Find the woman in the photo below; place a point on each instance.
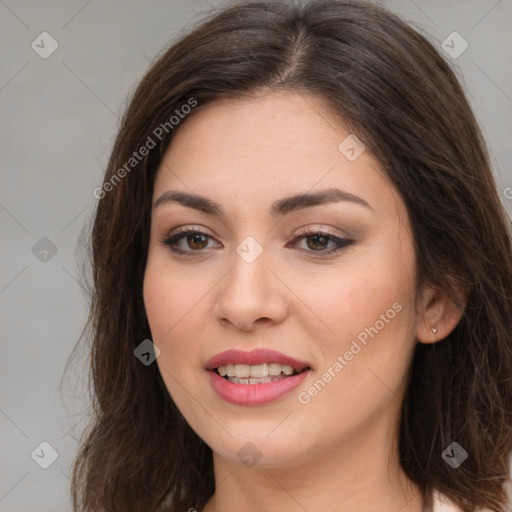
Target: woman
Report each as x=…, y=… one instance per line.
x=302, y=276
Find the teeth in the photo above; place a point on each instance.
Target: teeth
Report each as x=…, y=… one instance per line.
x=287, y=370
x=251, y=380
x=258, y=371
x=260, y=381
x=274, y=369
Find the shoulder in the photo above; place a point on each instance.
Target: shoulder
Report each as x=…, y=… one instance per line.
x=444, y=504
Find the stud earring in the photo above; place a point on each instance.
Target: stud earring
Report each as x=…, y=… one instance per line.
x=434, y=330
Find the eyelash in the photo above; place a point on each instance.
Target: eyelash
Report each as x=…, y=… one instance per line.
x=170, y=241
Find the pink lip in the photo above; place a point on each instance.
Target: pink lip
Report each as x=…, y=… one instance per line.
x=254, y=394
x=257, y=356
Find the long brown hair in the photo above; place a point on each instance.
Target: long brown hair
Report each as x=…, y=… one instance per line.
x=397, y=94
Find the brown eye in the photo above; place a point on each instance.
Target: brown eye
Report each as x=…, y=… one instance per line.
x=317, y=241
x=195, y=241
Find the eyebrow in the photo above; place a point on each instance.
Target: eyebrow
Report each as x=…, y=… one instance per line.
x=279, y=208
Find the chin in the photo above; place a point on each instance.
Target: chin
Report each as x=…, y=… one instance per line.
x=261, y=452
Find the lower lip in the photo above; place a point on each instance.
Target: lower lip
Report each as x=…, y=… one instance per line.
x=254, y=394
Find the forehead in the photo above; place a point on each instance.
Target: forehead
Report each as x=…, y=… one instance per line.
x=272, y=145
x=281, y=124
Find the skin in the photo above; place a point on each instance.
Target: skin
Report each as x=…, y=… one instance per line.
x=340, y=450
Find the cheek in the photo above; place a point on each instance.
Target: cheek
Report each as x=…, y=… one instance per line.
x=372, y=314
x=172, y=303
x=172, y=299
x=360, y=299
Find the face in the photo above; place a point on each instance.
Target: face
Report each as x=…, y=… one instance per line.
x=326, y=284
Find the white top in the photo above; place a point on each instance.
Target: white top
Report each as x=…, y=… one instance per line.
x=444, y=504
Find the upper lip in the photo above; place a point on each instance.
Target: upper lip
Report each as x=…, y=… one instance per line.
x=254, y=357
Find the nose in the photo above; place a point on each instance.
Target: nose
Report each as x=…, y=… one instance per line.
x=251, y=295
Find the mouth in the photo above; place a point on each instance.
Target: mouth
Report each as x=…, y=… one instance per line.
x=253, y=378
x=257, y=374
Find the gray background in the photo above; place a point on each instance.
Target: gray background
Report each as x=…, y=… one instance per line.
x=59, y=117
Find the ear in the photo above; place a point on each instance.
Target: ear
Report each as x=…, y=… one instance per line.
x=438, y=314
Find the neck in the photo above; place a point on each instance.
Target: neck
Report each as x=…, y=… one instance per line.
x=361, y=475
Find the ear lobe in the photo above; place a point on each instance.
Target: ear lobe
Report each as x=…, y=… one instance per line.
x=438, y=314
